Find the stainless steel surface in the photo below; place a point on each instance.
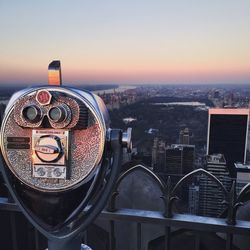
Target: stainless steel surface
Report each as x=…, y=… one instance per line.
x=85, y=148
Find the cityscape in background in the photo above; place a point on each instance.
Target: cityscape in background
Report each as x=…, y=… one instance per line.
x=177, y=129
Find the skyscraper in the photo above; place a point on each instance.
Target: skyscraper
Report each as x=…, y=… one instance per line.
x=184, y=136
x=227, y=135
x=159, y=156
x=193, y=199
x=211, y=196
x=180, y=159
x=174, y=161
x=243, y=175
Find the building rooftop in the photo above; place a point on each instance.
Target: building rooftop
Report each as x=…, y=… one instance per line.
x=216, y=159
x=181, y=146
x=228, y=111
x=241, y=167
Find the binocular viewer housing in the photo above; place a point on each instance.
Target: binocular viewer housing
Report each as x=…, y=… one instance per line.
x=53, y=138
x=60, y=157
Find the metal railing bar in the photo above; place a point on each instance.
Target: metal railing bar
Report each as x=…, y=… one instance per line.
x=186, y=221
x=112, y=235
x=229, y=242
x=36, y=239
x=167, y=238
x=138, y=239
x=197, y=241
x=13, y=230
x=8, y=206
x=85, y=237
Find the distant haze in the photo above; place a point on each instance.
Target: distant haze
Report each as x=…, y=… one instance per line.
x=126, y=42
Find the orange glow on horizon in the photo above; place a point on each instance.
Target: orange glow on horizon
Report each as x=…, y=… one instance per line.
x=132, y=74
x=171, y=75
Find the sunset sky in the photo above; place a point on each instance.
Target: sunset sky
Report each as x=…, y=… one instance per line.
x=126, y=41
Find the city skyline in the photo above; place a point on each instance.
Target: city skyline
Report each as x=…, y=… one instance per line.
x=132, y=42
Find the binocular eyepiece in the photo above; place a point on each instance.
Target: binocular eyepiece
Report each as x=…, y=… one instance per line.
x=34, y=114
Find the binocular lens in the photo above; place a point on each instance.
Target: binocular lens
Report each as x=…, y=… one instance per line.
x=57, y=114
x=32, y=113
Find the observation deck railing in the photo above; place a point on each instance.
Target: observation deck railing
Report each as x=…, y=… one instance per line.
x=169, y=219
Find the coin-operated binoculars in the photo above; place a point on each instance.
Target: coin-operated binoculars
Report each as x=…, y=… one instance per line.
x=61, y=159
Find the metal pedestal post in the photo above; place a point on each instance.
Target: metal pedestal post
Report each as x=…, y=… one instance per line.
x=83, y=247
x=66, y=244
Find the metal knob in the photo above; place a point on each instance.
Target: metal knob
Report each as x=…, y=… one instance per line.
x=48, y=148
x=126, y=140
